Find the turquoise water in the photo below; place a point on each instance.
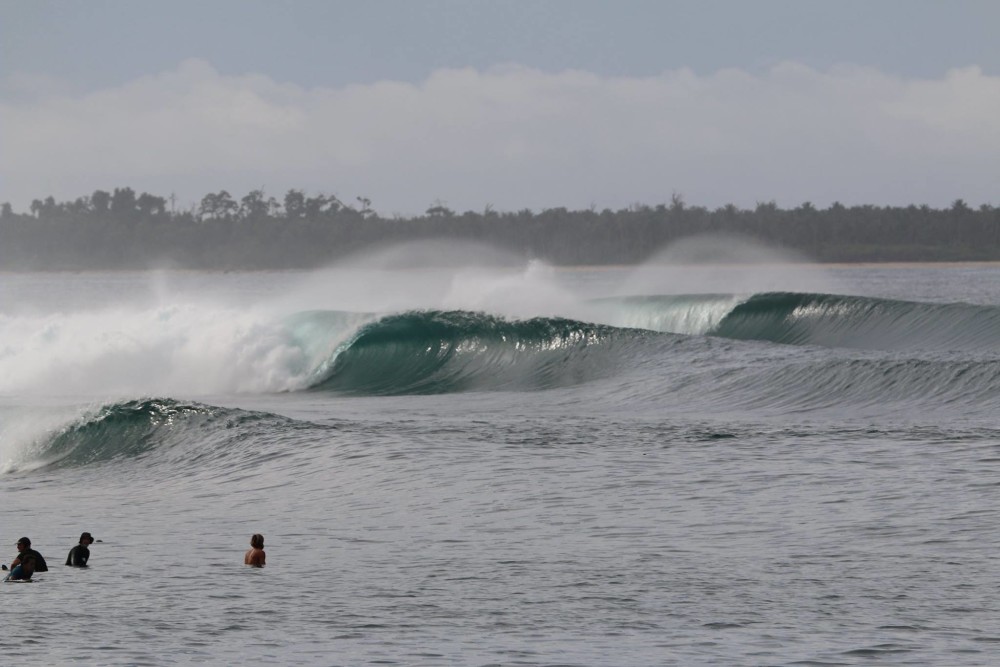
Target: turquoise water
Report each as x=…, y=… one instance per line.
x=716, y=465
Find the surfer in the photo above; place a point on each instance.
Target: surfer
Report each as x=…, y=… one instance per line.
x=255, y=555
x=80, y=554
x=27, y=562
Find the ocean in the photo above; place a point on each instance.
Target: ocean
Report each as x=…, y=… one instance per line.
x=713, y=464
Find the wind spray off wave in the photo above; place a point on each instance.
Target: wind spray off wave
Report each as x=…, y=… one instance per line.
x=185, y=349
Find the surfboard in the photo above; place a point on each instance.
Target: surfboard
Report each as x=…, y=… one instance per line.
x=7, y=579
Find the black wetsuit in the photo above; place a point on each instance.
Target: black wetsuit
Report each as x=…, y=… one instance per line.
x=40, y=565
x=78, y=556
x=30, y=554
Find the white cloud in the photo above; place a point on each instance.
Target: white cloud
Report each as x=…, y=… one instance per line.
x=516, y=137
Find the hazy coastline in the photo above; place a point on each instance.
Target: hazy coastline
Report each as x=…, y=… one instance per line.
x=126, y=230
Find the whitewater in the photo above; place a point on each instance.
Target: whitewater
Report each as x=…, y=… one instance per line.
x=738, y=462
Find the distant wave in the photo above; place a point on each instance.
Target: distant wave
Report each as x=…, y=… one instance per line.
x=827, y=320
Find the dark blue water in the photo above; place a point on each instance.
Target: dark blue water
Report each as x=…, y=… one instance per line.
x=725, y=465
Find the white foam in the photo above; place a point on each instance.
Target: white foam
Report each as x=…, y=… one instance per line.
x=190, y=334
x=179, y=349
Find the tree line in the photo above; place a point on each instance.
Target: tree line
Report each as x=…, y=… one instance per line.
x=121, y=229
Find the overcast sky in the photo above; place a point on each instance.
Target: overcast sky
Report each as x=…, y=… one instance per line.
x=572, y=103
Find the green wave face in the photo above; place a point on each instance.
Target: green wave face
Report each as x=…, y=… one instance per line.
x=429, y=352
x=117, y=431
x=189, y=434
x=861, y=322
x=432, y=352
x=449, y=351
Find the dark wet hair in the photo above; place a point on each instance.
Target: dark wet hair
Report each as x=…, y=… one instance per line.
x=257, y=541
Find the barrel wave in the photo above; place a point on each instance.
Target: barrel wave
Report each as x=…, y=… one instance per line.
x=780, y=351
x=428, y=352
x=449, y=351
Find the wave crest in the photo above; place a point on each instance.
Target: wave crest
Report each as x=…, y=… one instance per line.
x=447, y=351
x=861, y=322
x=175, y=430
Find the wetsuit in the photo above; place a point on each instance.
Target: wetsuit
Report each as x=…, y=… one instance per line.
x=40, y=565
x=22, y=558
x=78, y=556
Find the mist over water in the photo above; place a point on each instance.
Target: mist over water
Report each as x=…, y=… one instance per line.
x=725, y=264
x=102, y=335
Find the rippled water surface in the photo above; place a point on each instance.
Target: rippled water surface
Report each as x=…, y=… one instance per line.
x=537, y=467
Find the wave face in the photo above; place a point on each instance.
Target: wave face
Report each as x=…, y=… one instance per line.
x=770, y=353
x=198, y=351
x=451, y=351
x=826, y=320
x=189, y=434
x=862, y=322
x=448, y=351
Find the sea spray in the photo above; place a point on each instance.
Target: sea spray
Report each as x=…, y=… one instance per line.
x=182, y=349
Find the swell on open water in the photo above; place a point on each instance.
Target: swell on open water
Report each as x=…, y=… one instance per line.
x=531, y=467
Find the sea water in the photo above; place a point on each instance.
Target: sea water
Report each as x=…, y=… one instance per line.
x=732, y=465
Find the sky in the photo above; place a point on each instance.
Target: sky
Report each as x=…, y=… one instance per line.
x=503, y=103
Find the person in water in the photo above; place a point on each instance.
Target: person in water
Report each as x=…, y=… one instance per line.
x=27, y=562
x=255, y=555
x=80, y=554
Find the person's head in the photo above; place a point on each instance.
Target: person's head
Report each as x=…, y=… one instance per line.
x=257, y=541
x=86, y=538
x=23, y=543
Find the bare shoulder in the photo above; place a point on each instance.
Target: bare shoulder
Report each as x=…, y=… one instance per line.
x=255, y=557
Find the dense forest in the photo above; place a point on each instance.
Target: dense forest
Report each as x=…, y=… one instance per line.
x=125, y=230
